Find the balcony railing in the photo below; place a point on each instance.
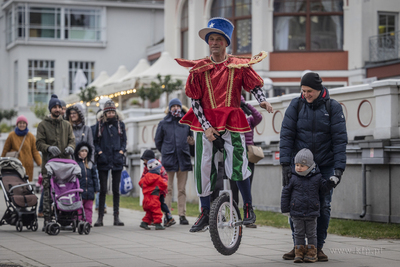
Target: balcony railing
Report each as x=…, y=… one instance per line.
x=384, y=47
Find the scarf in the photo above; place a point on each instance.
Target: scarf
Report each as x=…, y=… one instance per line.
x=176, y=113
x=21, y=133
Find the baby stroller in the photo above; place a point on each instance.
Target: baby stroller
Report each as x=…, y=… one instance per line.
x=20, y=199
x=66, y=195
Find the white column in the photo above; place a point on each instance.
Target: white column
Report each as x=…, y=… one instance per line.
x=387, y=109
x=170, y=28
x=262, y=31
x=196, y=44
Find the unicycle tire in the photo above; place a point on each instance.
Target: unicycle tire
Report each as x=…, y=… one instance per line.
x=226, y=239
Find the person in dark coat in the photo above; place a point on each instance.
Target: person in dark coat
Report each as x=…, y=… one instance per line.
x=99, y=116
x=301, y=198
x=321, y=127
x=88, y=180
x=171, y=140
x=110, y=144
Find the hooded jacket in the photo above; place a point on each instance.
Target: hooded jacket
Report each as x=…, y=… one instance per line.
x=82, y=132
x=152, y=184
x=54, y=132
x=315, y=128
x=301, y=196
x=171, y=141
x=110, y=138
x=88, y=180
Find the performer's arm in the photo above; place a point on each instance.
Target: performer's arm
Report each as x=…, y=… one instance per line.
x=259, y=95
x=198, y=111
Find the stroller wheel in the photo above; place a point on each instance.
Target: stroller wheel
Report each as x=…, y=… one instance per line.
x=73, y=225
x=86, y=228
x=34, y=225
x=19, y=225
x=81, y=227
x=54, y=229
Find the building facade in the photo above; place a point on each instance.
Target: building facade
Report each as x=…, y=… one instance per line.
x=45, y=42
x=345, y=41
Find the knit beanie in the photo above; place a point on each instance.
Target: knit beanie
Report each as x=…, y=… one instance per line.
x=63, y=104
x=21, y=118
x=108, y=106
x=312, y=80
x=84, y=148
x=154, y=166
x=304, y=157
x=174, y=101
x=148, y=154
x=54, y=101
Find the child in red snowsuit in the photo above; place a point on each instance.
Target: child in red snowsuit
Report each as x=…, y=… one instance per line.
x=152, y=184
x=148, y=155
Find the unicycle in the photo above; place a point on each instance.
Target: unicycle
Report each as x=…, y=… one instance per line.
x=225, y=223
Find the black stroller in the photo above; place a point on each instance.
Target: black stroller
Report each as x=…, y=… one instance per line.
x=21, y=200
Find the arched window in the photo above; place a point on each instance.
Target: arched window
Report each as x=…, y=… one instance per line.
x=239, y=13
x=308, y=25
x=184, y=31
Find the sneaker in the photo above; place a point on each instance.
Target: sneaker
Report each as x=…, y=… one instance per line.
x=249, y=215
x=321, y=255
x=201, y=222
x=170, y=222
x=251, y=225
x=183, y=220
x=40, y=215
x=289, y=256
x=144, y=226
x=159, y=226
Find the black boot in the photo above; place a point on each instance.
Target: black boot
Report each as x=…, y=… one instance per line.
x=117, y=222
x=249, y=215
x=99, y=221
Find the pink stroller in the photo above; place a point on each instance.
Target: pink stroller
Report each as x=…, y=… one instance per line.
x=66, y=195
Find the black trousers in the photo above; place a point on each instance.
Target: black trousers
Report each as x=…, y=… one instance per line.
x=235, y=189
x=116, y=179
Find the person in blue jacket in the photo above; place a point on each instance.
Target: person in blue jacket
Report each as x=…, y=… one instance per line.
x=314, y=121
x=88, y=180
x=172, y=141
x=110, y=144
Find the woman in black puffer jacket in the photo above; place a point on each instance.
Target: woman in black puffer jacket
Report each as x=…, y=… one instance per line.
x=88, y=181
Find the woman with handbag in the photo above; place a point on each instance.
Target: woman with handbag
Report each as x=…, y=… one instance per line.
x=21, y=144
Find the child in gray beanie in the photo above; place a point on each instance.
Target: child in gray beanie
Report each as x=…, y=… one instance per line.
x=301, y=198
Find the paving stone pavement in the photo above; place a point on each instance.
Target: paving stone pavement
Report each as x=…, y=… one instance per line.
x=176, y=246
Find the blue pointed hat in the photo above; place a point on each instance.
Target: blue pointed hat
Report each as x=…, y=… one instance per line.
x=220, y=26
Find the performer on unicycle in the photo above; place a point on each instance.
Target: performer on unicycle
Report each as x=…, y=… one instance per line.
x=214, y=85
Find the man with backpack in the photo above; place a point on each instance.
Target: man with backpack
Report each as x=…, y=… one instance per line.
x=316, y=122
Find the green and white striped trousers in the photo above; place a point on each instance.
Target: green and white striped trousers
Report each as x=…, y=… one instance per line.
x=207, y=158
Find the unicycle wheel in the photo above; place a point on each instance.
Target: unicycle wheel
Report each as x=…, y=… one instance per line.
x=225, y=237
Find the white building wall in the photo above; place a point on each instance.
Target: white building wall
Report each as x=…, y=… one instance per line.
x=129, y=31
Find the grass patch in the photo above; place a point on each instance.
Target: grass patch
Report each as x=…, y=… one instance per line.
x=362, y=229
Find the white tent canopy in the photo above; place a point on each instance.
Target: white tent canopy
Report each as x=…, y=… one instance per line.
x=142, y=66
x=103, y=76
x=164, y=66
x=121, y=72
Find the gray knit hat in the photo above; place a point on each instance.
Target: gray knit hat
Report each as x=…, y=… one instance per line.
x=305, y=157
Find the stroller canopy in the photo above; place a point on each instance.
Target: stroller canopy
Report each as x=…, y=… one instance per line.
x=63, y=170
x=12, y=164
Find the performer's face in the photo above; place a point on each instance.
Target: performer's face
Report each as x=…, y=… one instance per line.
x=309, y=94
x=217, y=44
